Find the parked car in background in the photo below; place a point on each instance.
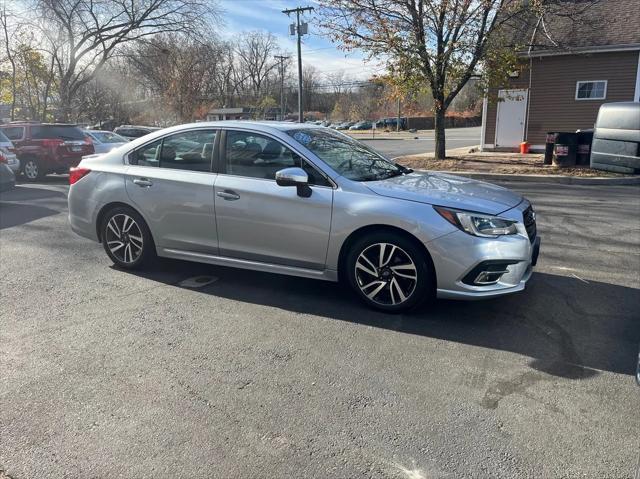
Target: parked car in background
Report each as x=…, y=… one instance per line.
x=8, y=154
x=362, y=125
x=6, y=142
x=307, y=201
x=105, y=141
x=10, y=159
x=44, y=148
x=616, y=138
x=345, y=125
x=7, y=178
x=131, y=132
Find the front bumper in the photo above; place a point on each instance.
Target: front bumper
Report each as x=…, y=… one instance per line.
x=457, y=254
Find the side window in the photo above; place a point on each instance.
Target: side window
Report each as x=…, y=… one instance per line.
x=13, y=132
x=188, y=150
x=146, y=155
x=257, y=156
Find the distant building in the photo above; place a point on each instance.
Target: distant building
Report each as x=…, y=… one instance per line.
x=242, y=113
x=570, y=69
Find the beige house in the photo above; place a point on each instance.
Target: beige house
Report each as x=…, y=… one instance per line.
x=569, y=69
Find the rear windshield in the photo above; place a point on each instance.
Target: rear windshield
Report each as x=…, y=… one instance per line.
x=3, y=138
x=62, y=132
x=622, y=117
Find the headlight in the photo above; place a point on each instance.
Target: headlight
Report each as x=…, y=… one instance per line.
x=477, y=224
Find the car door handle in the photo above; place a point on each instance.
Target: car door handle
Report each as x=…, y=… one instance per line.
x=228, y=195
x=143, y=182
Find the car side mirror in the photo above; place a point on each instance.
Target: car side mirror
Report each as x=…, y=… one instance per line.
x=295, y=177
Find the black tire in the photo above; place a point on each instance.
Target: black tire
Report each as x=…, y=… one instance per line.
x=140, y=256
x=32, y=170
x=403, y=258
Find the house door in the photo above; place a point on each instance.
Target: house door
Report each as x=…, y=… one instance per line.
x=512, y=110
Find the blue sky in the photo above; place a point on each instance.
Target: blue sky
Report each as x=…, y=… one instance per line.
x=266, y=15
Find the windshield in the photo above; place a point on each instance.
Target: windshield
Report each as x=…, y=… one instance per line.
x=348, y=157
x=107, y=137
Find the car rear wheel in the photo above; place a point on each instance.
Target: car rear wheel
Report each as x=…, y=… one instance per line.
x=390, y=272
x=127, y=239
x=32, y=170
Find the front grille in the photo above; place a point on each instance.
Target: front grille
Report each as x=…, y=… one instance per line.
x=529, y=218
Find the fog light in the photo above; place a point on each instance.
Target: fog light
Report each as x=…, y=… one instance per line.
x=487, y=272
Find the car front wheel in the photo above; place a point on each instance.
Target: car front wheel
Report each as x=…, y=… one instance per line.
x=126, y=238
x=390, y=272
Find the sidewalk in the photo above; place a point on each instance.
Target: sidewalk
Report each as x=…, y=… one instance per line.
x=511, y=166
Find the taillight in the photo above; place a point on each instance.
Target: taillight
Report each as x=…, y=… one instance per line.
x=88, y=141
x=3, y=159
x=52, y=143
x=77, y=173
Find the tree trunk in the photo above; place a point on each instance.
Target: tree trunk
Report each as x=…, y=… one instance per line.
x=440, y=151
x=64, y=112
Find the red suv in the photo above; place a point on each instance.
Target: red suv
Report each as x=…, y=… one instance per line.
x=47, y=147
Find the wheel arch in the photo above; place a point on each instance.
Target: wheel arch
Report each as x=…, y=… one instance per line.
x=377, y=228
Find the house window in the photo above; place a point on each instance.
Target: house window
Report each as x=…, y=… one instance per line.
x=591, y=90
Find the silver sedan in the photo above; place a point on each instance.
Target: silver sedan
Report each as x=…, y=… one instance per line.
x=308, y=201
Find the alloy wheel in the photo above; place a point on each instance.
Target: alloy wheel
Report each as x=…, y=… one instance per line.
x=386, y=274
x=123, y=237
x=31, y=170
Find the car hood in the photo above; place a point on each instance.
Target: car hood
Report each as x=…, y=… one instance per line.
x=447, y=190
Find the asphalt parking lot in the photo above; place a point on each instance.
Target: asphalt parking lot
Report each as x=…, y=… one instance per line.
x=107, y=373
x=425, y=142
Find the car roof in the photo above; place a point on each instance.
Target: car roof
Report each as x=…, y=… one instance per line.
x=140, y=126
x=36, y=123
x=264, y=125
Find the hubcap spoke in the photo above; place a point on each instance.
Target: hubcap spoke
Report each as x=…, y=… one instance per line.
x=127, y=223
x=367, y=266
x=384, y=262
x=115, y=245
x=408, y=271
x=394, y=286
x=136, y=241
x=377, y=287
x=114, y=227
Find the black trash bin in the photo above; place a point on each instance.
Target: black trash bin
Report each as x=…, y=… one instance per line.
x=583, y=152
x=565, y=149
x=548, y=147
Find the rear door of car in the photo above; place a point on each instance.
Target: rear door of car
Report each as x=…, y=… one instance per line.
x=170, y=181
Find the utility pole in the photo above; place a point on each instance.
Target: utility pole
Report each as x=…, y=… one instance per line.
x=281, y=59
x=299, y=30
x=398, y=118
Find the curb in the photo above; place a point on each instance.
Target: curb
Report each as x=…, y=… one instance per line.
x=557, y=179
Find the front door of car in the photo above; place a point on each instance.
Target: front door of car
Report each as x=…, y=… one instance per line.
x=260, y=221
x=170, y=181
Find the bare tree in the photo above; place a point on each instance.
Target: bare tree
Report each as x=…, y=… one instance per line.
x=85, y=34
x=255, y=56
x=7, y=33
x=438, y=42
